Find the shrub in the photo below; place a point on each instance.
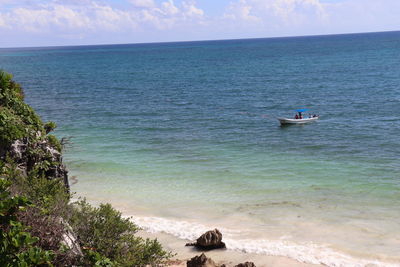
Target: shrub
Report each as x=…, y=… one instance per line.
x=104, y=230
x=54, y=142
x=17, y=246
x=50, y=195
x=49, y=126
x=11, y=127
x=17, y=119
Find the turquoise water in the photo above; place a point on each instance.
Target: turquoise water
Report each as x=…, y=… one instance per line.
x=184, y=136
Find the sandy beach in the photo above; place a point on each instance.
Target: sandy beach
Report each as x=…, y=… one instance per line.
x=220, y=256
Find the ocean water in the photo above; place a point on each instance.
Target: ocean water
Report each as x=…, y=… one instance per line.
x=184, y=137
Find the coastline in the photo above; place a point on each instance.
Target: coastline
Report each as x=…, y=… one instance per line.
x=220, y=256
x=262, y=252
x=174, y=232
x=170, y=242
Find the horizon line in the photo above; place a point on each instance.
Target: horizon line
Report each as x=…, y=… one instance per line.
x=203, y=40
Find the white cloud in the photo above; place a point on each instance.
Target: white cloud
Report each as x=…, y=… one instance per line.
x=96, y=16
x=299, y=17
x=49, y=17
x=169, y=8
x=287, y=12
x=241, y=10
x=143, y=3
x=161, y=20
x=191, y=10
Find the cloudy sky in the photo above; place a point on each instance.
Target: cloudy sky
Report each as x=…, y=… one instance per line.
x=74, y=22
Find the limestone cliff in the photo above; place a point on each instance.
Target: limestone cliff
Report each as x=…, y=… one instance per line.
x=24, y=138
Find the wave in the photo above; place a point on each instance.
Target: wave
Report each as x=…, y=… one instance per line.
x=306, y=252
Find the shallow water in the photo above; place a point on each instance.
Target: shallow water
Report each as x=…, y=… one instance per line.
x=184, y=136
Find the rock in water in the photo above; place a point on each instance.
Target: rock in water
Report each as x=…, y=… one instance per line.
x=246, y=264
x=209, y=240
x=201, y=261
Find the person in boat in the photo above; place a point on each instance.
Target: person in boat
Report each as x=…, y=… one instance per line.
x=296, y=117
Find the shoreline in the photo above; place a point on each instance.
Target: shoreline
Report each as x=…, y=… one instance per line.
x=270, y=253
x=220, y=256
x=174, y=233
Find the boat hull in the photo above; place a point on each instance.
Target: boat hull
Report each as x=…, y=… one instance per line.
x=287, y=121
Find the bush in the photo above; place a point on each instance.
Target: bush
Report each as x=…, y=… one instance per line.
x=54, y=142
x=17, y=119
x=49, y=126
x=17, y=245
x=11, y=127
x=103, y=230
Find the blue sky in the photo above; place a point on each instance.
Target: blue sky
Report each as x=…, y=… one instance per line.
x=74, y=22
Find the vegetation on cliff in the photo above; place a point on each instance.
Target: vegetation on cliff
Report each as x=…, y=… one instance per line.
x=39, y=226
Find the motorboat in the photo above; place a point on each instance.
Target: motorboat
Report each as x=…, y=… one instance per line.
x=299, y=119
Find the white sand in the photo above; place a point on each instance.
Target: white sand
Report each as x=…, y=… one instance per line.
x=220, y=256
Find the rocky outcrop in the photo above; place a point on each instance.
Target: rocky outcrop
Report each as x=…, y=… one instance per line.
x=246, y=264
x=70, y=240
x=38, y=152
x=204, y=261
x=201, y=261
x=209, y=240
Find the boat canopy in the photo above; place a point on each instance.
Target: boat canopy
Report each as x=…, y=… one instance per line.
x=301, y=110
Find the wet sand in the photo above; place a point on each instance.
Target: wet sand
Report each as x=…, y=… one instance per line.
x=220, y=256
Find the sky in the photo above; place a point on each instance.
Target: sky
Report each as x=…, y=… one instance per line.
x=25, y=23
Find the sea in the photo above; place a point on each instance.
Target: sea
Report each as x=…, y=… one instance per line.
x=184, y=138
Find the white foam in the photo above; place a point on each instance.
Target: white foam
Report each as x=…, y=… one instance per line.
x=305, y=252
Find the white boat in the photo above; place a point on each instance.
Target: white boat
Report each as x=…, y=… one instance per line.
x=285, y=121
x=299, y=118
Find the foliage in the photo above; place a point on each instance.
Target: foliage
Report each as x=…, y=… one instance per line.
x=9, y=88
x=17, y=119
x=50, y=195
x=54, y=142
x=17, y=247
x=11, y=127
x=49, y=126
x=94, y=258
x=104, y=230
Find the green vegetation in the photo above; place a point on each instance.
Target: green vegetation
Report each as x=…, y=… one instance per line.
x=49, y=126
x=104, y=229
x=17, y=245
x=17, y=119
x=35, y=208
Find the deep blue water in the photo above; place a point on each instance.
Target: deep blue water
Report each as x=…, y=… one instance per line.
x=171, y=118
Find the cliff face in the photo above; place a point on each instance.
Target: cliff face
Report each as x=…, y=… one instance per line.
x=24, y=138
x=37, y=155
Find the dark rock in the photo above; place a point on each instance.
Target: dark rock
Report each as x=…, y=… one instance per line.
x=201, y=261
x=209, y=240
x=44, y=152
x=246, y=264
x=17, y=150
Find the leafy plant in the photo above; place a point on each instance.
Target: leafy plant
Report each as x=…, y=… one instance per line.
x=54, y=142
x=104, y=230
x=17, y=246
x=49, y=126
x=11, y=127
